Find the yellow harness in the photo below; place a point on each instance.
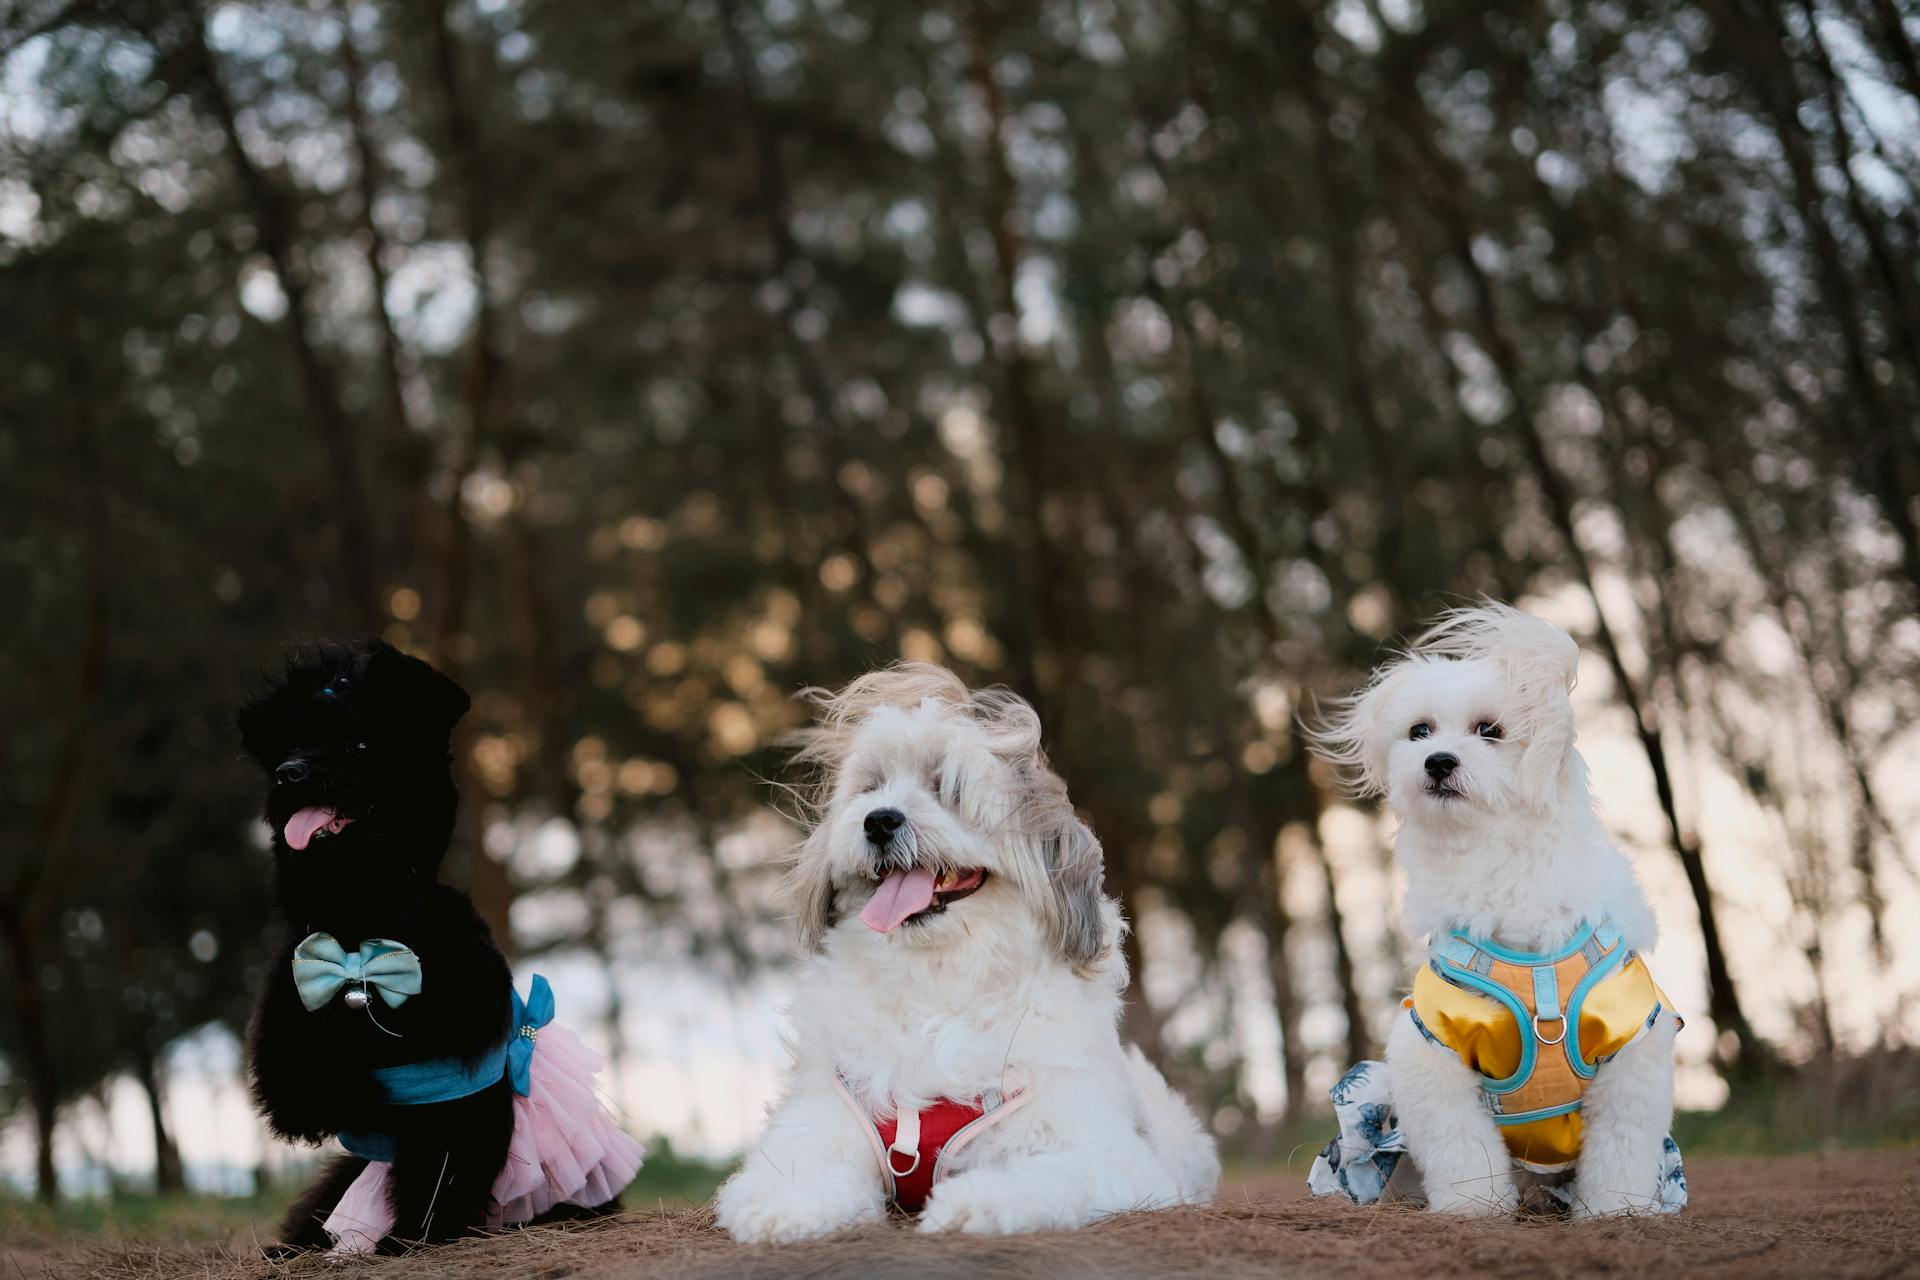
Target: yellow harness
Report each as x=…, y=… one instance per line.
x=1502, y=1011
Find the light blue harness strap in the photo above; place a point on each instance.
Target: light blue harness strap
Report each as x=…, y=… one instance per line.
x=1546, y=995
x=1421, y=1027
x=1475, y=979
x=1530, y=958
x=1528, y=1117
x=1464, y=962
x=1458, y=949
x=1608, y=965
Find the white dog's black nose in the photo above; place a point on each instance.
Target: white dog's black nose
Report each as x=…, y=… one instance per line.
x=1439, y=765
x=882, y=823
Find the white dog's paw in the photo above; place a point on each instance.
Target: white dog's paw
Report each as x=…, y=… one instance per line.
x=770, y=1209
x=1482, y=1199
x=982, y=1204
x=1591, y=1202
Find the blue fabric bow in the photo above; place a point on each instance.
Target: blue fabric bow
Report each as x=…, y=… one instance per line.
x=529, y=1015
x=321, y=967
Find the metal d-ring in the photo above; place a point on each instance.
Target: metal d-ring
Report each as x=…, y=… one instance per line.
x=1557, y=1039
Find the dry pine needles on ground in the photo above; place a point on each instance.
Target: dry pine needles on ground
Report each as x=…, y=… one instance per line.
x=1849, y=1214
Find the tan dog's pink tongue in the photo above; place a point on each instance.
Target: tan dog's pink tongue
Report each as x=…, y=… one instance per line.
x=900, y=895
x=302, y=825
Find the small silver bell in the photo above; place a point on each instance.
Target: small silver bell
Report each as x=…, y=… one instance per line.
x=356, y=997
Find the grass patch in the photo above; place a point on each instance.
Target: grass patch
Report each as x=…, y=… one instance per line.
x=1860, y=1104
x=184, y=1218
x=668, y=1179
x=1857, y=1103
x=1851, y=1104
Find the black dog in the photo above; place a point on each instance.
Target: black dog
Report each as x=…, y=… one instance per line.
x=353, y=739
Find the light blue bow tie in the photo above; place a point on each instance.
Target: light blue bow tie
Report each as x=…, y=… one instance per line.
x=321, y=967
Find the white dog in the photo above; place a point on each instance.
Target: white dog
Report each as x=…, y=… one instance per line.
x=1515, y=886
x=955, y=1044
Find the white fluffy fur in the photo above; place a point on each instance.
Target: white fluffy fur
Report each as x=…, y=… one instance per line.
x=1019, y=982
x=1519, y=856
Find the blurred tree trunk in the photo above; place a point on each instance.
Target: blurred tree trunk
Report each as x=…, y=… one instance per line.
x=1340, y=218
x=1028, y=468
x=168, y=1176
x=360, y=604
x=487, y=880
x=542, y=691
x=1296, y=782
x=1235, y=512
x=22, y=915
x=1895, y=276
x=36, y=1054
x=773, y=192
x=1891, y=28
x=409, y=454
x=1882, y=447
x=1263, y=892
x=1041, y=568
x=1359, y=1040
x=1121, y=840
x=1795, y=615
x=600, y=943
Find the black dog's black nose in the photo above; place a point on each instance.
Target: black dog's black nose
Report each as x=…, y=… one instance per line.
x=291, y=771
x=1441, y=763
x=882, y=823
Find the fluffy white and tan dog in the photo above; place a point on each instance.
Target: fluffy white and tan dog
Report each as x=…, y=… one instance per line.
x=1470, y=738
x=966, y=974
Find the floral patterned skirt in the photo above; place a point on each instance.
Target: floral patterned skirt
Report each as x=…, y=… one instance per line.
x=1364, y=1156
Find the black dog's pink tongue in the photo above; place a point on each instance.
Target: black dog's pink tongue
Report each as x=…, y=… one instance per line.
x=301, y=826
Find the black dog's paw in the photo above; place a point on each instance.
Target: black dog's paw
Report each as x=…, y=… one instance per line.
x=569, y=1212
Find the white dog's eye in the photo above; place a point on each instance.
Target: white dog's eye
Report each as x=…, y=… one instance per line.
x=1488, y=729
x=1419, y=731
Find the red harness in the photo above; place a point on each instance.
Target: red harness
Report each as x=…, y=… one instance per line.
x=912, y=1148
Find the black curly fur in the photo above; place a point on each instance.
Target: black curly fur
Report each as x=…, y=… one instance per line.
x=372, y=727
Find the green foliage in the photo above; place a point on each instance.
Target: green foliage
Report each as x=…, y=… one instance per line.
x=176, y=1217
x=671, y=1178
x=1871, y=1101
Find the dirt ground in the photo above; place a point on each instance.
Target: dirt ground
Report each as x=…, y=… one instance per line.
x=1848, y=1214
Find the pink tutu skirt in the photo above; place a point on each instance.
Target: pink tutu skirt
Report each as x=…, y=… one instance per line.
x=566, y=1149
